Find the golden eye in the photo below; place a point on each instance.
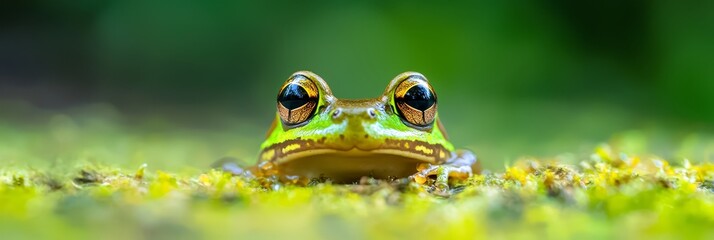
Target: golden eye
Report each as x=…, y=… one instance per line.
x=415, y=101
x=297, y=100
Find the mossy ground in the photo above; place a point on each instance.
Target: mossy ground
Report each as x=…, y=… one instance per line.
x=99, y=188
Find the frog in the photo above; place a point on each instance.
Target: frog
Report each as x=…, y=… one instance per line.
x=397, y=135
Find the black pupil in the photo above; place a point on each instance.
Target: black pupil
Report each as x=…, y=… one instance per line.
x=293, y=96
x=419, y=97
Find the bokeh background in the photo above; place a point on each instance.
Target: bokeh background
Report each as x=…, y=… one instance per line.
x=182, y=83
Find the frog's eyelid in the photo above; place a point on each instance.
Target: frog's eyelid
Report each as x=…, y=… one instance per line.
x=418, y=76
x=299, y=75
x=392, y=86
x=315, y=79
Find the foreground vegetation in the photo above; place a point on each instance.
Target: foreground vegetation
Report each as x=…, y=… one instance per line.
x=609, y=195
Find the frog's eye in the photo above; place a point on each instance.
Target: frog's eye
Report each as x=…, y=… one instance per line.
x=297, y=100
x=415, y=101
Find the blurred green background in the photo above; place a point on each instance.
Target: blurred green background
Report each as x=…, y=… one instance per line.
x=513, y=78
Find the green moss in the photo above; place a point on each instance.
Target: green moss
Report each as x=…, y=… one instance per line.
x=607, y=196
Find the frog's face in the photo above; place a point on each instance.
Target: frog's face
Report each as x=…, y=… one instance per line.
x=316, y=134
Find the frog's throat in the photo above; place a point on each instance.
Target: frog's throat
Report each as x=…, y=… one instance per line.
x=396, y=149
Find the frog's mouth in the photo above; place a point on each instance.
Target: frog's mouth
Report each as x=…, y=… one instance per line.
x=349, y=166
x=346, y=163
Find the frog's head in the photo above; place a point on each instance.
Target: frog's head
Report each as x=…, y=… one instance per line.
x=316, y=134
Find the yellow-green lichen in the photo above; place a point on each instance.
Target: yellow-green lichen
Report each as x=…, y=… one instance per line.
x=606, y=196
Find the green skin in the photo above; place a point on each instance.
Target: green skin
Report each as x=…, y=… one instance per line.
x=346, y=139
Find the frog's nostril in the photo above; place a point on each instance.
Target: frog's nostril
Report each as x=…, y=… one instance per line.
x=371, y=112
x=337, y=113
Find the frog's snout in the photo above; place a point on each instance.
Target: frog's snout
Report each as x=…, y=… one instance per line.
x=356, y=122
x=340, y=114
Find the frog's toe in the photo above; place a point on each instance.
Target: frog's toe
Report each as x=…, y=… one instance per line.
x=442, y=174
